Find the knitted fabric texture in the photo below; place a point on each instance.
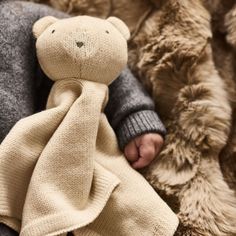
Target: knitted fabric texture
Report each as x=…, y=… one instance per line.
x=131, y=111
x=24, y=87
x=18, y=61
x=62, y=181
x=184, y=53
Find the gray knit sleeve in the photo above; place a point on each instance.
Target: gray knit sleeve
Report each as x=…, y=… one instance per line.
x=130, y=109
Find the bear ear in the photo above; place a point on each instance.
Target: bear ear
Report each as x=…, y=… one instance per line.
x=120, y=25
x=42, y=24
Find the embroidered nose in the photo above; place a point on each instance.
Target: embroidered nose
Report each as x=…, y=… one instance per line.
x=79, y=44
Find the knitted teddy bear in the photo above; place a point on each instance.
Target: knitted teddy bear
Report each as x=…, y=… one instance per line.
x=61, y=169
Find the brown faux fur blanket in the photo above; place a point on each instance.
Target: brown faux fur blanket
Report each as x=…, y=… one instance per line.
x=184, y=53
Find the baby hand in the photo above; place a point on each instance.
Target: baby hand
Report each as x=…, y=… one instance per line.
x=143, y=149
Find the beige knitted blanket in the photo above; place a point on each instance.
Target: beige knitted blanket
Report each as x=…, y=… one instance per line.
x=184, y=53
x=61, y=170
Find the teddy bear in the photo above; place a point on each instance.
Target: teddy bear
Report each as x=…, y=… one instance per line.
x=68, y=172
x=184, y=54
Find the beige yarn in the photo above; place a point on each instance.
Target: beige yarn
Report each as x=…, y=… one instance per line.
x=61, y=169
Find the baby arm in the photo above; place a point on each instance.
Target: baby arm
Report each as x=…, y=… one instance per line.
x=130, y=111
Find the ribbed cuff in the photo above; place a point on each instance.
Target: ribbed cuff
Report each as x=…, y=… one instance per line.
x=139, y=123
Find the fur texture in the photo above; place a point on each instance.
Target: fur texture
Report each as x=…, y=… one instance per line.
x=184, y=53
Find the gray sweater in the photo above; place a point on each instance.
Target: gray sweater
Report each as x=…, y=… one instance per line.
x=24, y=88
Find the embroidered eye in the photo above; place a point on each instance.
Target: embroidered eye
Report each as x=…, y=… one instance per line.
x=107, y=31
x=53, y=31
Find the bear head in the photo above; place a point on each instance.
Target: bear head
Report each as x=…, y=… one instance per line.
x=82, y=47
